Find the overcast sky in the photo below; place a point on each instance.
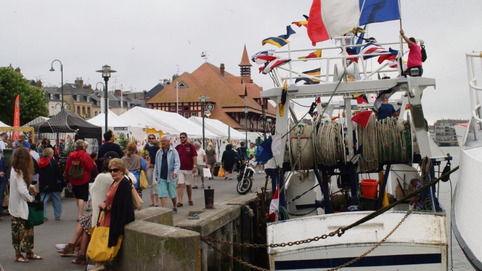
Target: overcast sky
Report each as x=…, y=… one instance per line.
x=149, y=40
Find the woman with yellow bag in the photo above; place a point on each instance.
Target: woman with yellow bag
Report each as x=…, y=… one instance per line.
x=117, y=211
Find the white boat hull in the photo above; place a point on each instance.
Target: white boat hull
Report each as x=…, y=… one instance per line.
x=466, y=212
x=420, y=242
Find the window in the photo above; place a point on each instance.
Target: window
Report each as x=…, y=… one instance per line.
x=186, y=115
x=173, y=108
x=194, y=114
x=186, y=108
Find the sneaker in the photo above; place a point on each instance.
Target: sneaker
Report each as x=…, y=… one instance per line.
x=174, y=210
x=57, y=218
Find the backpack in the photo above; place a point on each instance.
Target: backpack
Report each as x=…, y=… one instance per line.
x=76, y=171
x=424, y=53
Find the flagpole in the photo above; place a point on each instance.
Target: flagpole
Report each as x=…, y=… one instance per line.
x=400, y=52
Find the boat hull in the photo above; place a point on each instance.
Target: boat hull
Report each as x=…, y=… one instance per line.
x=466, y=215
x=420, y=242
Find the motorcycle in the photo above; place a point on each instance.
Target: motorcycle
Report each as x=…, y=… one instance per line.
x=245, y=177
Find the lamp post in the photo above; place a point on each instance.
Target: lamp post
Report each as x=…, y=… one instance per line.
x=61, y=81
x=106, y=72
x=203, y=114
x=246, y=111
x=102, y=99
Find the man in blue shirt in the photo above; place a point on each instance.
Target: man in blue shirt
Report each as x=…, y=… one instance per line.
x=21, y=142
x=386, y=110
x=166, y=170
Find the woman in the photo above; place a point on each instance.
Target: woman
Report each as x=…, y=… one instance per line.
x=80, y=186
x=21, y=192
x=229, y=159
x=50, y=182
x=134, y=163
x=211, y=158
x=117, y=206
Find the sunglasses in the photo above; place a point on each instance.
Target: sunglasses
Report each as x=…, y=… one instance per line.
x=182, y=137
x=151, y=138
x=114, y=170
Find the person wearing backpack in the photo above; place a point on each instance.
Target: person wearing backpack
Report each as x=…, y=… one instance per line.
x=77, y=170
x=414, y=61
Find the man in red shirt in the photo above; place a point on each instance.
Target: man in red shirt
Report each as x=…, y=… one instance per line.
x=188, y=157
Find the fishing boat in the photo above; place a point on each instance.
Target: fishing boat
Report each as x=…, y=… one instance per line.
x=465, y=212
x=340, y=170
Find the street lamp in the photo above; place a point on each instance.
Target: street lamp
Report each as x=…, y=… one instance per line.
x=246, y=111
x=102, y=99
x=106, y=71
x=61, y=81
x=203, y=112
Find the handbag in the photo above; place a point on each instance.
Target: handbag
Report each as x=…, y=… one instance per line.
x=142, y=180
x=35, y=212
x=221, y=172
x=136, y=199
x=6, y=197
x=207, y=173
x=98, y=249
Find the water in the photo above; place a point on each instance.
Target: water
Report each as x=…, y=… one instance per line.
x=459, y=261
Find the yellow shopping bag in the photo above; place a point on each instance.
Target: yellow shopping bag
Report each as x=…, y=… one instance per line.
x=221, y=172
x=98, y=249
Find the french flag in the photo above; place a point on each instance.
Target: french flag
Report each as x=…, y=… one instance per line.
x=274, y=206
x=331, y=18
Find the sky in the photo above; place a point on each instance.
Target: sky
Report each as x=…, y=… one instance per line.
x=150, y=40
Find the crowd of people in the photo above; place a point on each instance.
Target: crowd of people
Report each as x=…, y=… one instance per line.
x=103, y=182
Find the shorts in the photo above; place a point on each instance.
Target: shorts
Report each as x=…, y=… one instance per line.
x=199, y=170
x=166, y=189
x=81, y=191
x=185, y=177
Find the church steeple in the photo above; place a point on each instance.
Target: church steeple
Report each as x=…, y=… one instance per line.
x=245, y=67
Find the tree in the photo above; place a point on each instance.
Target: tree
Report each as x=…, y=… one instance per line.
x=33, y=102
x=123, y=141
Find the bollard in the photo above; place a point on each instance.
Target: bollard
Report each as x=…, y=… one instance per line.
x=209, y=198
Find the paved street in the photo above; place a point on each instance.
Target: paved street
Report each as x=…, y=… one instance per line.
x=54, y=232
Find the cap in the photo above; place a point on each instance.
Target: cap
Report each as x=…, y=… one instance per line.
x=110, y=154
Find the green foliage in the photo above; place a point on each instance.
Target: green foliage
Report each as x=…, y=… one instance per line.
x=123, y=141
x=33, y=103
x=69, y=145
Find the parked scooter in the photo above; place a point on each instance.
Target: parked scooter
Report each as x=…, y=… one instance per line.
x=245, y=176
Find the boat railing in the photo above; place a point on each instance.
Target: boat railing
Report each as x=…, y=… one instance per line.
x=338, y=63
x=473, y=75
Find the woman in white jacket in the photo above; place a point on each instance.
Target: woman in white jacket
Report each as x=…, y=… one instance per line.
x=21, y=192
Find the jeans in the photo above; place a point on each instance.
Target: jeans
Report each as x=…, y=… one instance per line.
x=55, y=202
x=3, y=185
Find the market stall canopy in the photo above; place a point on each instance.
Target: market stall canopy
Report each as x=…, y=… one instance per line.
x=68, y=122
x=168, y=123
x=119, y=125
x=218, y=127
x=4, y=125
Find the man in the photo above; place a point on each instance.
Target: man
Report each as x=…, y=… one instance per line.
x=188, y=157
x=165, y=171
x=386, y=110
x=151, y=150
x=3, y=142
x=109, y=145
x=414, y=61
x=21, y=141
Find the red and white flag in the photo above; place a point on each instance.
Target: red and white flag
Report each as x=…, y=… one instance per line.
x=274, y=206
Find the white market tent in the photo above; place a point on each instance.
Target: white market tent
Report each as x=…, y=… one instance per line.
x=218, y=127
x=4, y=125
x=169, y=123
x=118, y=125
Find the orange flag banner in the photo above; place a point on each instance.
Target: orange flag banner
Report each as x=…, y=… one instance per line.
x=16, y=117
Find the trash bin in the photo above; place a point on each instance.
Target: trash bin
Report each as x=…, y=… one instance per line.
x=209, y=198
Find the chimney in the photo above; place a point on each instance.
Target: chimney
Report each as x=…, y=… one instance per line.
x=79, y=82
x=221, y=69
x=117, y=92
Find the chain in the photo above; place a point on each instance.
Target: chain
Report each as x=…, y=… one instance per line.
x=302, y=194
x=234, y=258
x=339, y=232
x=374, y=247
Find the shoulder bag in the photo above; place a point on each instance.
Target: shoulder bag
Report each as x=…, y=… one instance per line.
x=36, y=211
x=99, y=250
